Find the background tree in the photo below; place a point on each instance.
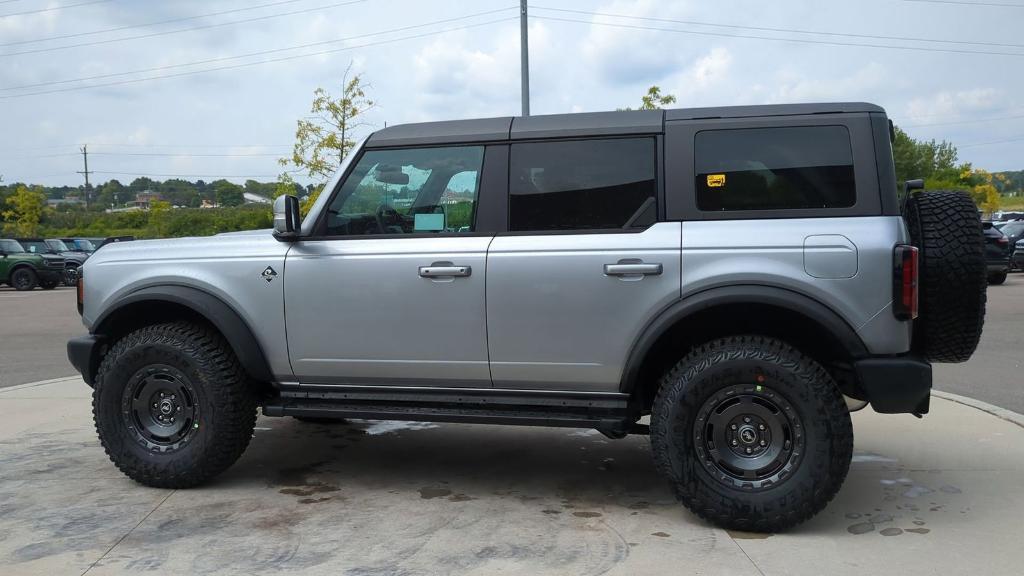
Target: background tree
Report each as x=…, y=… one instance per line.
x=654, y=100
x=227, y=193
x=323, y=139
x=26, y=211
x=112, y=194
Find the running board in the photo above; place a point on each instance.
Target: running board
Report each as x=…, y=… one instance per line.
x=609, y=415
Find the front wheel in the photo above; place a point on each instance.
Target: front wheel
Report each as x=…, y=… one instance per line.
x=752, y=434
x=24, y=279
x=47, y=284
x=997, y=278
x=172, y=405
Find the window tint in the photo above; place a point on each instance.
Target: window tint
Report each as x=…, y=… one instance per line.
x=774, y=168
x=581, y=185
x=415, y=190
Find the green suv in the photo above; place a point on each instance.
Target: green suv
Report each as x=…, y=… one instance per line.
x=24, y=270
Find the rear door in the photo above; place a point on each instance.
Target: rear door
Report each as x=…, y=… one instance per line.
x=584, y=266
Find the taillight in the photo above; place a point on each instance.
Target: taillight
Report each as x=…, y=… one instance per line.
x=1003, y=240
x=80, y=288
x=904, y=285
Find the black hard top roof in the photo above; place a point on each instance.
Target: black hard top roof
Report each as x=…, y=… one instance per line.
x=621, y=122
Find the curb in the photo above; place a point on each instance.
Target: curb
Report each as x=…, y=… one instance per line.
x=38, y=383
x=1001, y=413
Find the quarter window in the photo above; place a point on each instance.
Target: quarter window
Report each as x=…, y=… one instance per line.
x=774, y=168
x=408, y=191
x=582, y=185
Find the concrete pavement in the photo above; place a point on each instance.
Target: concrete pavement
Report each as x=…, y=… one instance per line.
x=943, y=495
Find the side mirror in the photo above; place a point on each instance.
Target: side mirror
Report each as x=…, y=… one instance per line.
x=913, y=185
x=286, y=217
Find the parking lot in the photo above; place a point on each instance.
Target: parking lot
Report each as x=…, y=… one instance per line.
x=938, y=495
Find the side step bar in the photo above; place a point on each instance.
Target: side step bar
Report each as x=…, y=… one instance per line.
x=611, y=415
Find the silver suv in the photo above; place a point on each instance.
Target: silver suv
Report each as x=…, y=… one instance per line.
x=742, y=276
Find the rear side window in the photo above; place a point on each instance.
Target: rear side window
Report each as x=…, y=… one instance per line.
x=582, y=185
x=774, y=168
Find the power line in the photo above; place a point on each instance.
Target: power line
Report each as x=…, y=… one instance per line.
x=997, y=4
x=248, y=55
x=1004, y=141
x=186, y=175
x=192, y=29
x=954, y=123
x=269, y=61
x=786, y=30
x=798, y=40
x=157, y=23
x=54, y=8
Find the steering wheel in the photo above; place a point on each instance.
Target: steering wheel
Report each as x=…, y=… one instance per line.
x=390, y=212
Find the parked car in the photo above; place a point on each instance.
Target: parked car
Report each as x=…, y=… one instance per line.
x=744, y=276
x=1014, y=231
x=997, y=253
x=73, y=259
x=24, y=270
x=83, y=244
x=1017, y=260
x=91, y=245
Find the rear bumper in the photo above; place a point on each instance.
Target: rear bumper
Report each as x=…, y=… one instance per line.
x=84, y=354
x=896, y=384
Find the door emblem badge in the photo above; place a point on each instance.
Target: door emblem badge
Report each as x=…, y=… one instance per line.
x=269, y=274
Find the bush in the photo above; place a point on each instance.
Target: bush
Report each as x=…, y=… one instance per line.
x=162, y=223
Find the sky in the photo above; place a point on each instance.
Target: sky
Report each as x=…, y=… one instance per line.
x=213, y=88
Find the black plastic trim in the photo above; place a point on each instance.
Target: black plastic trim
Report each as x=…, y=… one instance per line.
x=84, y=354
x=449, y=395
x=238, y=334
x=738, y=294
x=888, y=189
x=896, y=384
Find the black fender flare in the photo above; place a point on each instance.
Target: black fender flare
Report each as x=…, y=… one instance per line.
x=738, y=294
x=223, y=317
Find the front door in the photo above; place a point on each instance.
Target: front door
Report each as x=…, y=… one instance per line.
x=391, y=289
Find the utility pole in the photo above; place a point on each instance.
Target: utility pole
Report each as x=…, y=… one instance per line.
x=85, y=159
x=524, y=51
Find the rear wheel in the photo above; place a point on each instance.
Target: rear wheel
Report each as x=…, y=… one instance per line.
x=172, y=405
x=24, y=279
x=997, y=278
x=47, y=284
x=752, y=434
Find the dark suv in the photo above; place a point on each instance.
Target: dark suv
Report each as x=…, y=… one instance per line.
x=73, y=259
x=24, y=270
x=997, y=253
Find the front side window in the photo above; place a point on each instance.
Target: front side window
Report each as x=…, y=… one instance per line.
x=10, y=247
x=408, y=191
x=35, y=246
x=582, y=185
x=786, y=168
x=57, y=245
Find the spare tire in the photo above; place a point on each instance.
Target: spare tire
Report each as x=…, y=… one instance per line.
x=946, y=229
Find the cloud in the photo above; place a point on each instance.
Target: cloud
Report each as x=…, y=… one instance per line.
x=954, y=104
x=631, y=55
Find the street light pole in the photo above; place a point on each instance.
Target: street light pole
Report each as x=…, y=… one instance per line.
x=524, y=51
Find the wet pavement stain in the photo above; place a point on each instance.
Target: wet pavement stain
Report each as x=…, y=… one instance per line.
x=918, y=530
x=314, y=500
x=551, y=511
x=891, y=532
x=429, y=492
x=587, y=514
x=741, y=535
x=640, y=505
x=661, y=534
x=460, y=498
x=309, y=489
x=861, y=528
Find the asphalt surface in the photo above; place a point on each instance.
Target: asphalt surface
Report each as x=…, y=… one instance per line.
x=34, y=327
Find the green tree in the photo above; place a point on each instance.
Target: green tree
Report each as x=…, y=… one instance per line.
x=654, y=100
x=227, y=193
x=111, y=193
x=142, y=184
x=923, y=159
x=323, y=139
x=26, y=211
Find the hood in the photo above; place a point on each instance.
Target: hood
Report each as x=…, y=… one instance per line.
x=248, y=232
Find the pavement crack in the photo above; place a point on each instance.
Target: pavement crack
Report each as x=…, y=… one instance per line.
x=128, y=533
x=749, y=559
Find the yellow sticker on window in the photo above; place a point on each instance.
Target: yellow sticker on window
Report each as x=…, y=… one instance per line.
x=716, y=180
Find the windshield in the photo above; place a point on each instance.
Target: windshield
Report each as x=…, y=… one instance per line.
x=35, y=246
x=11, y=247
x=57, y=245
x=83, y=244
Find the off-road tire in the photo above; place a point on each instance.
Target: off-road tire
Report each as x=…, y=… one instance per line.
x=759, y=365
x=997, y=278
x=24, y=279
x=47, y=284
x=225, y=403
x=945, y=227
